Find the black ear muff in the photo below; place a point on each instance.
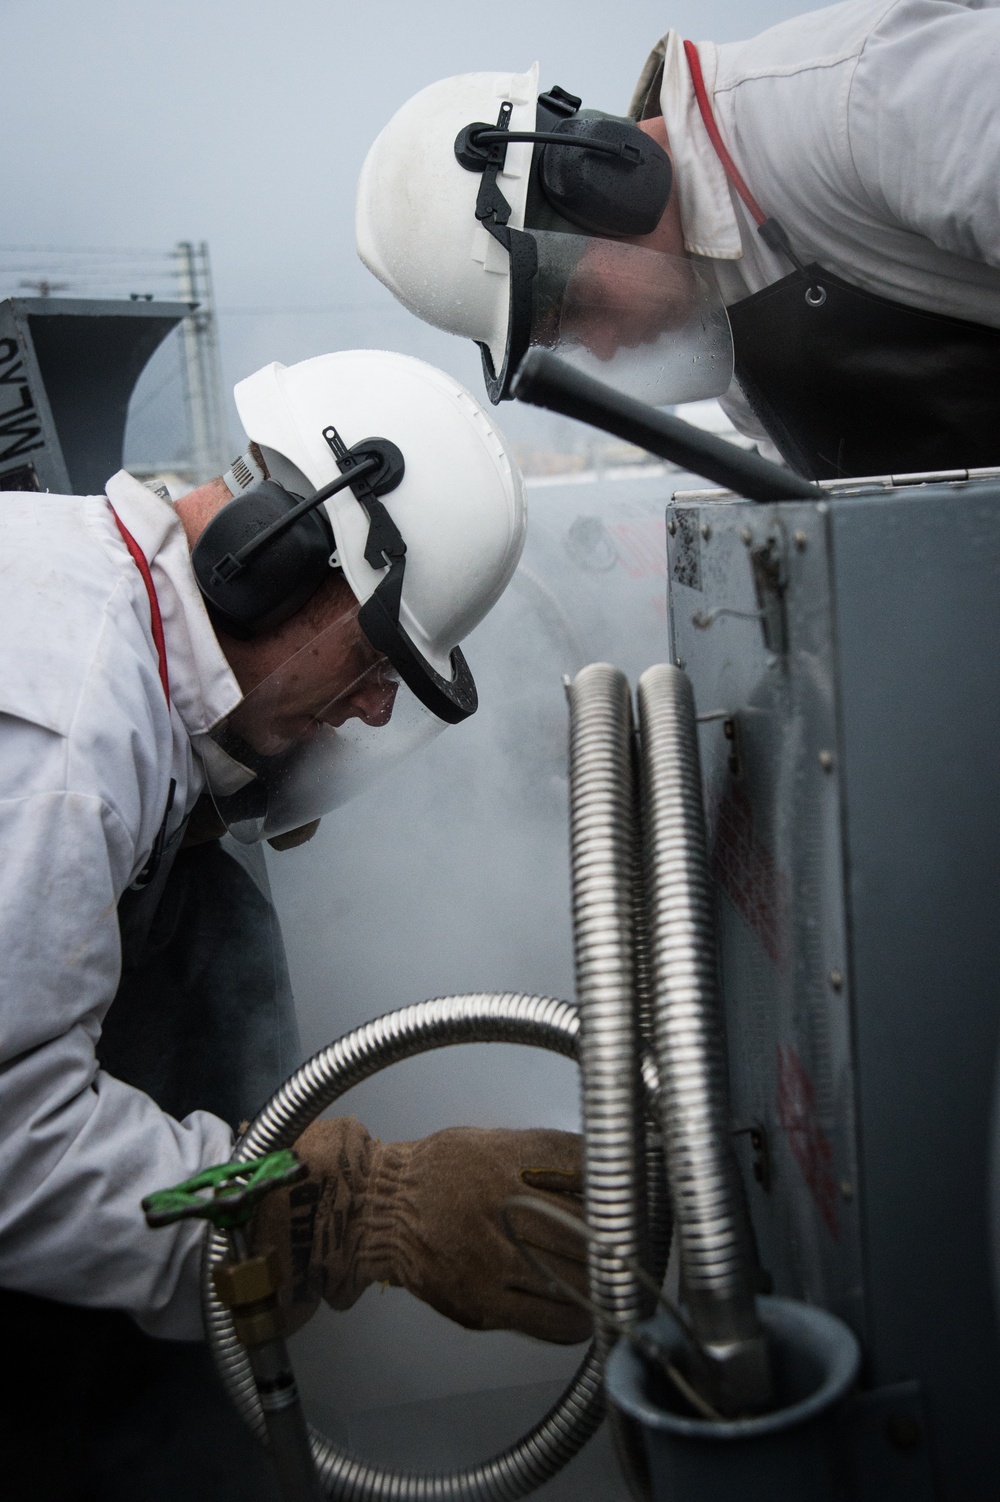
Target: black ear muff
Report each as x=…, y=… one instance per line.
x=605, y=192
x=245, y=599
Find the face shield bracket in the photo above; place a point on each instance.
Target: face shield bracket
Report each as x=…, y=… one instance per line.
x=523, y=253
x=492, y=208
x=451, y=700
x=493, y=213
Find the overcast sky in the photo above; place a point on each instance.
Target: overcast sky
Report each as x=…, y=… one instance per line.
x=244, y=123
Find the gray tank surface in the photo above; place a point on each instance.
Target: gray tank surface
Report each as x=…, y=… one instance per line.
x=842, y=655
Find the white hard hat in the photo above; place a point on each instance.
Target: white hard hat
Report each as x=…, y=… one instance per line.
x=388, y=470
x=459, y=507
x=515, y=218
x=454, y=274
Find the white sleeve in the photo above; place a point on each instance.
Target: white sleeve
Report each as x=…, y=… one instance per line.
x=743, y=418
x=924, y=126
x=78, y=1149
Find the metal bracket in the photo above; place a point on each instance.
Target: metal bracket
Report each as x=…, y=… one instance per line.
x=761, y=1162
x=769, y=565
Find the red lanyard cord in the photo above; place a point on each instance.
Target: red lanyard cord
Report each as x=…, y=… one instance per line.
x=769, y=230
x=729, y=167
x=156, y=620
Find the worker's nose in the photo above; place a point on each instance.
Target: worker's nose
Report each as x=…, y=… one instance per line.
x=374, y=700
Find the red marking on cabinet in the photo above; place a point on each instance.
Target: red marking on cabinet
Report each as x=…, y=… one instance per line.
x=747, y=872
x=811, y=1148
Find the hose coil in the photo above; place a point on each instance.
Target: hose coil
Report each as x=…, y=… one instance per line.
x=645, y=963
x=539, y=1022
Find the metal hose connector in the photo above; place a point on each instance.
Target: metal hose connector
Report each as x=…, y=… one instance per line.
x=603, y=867
x=717, y=1262
x=537, y=1021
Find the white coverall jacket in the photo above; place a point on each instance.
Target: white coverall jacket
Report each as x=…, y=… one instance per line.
x=870, y=131
x=87, y=750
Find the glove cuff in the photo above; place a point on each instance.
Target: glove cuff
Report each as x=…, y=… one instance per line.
x=389, y=1250
x=315, y=1225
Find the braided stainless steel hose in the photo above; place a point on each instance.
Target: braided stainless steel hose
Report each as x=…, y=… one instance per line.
x=537, y=1021
x=717, y=1261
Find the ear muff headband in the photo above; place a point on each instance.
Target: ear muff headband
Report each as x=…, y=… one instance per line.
x=265, y=554
x=602, y=174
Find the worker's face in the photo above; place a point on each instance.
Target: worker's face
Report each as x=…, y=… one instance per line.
x=629, y=292
x=620, y=297
x=336, y=676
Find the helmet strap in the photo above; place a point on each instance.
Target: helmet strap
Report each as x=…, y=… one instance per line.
x=454, y=699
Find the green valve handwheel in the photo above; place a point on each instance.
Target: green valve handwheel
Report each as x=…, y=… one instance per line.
x=226, y=1195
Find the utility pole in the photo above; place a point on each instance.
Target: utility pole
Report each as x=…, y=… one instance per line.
x=45, y=288
x=202, y=372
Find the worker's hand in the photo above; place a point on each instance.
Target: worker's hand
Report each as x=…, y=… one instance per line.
x=426, y=1216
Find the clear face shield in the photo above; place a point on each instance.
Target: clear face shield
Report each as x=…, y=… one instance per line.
x=317, y=731
x=650, y=324
x=583, y=279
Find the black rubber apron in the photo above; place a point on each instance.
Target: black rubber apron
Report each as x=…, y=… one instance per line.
x=850, y=383
x=203, y=1018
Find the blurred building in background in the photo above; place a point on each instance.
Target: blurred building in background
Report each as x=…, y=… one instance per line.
x=177, y=430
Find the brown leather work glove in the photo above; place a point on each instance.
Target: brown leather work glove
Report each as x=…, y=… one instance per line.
x=425, y=1216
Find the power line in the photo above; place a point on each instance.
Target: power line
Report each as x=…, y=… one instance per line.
x=308, y=309
x=85, y=250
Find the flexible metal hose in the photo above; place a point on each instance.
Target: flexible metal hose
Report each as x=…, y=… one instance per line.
x=659, y=1226
x=642, y=966
x=538, y=1021
x=602, y=853
x=603, y=861
x=713, y=1227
